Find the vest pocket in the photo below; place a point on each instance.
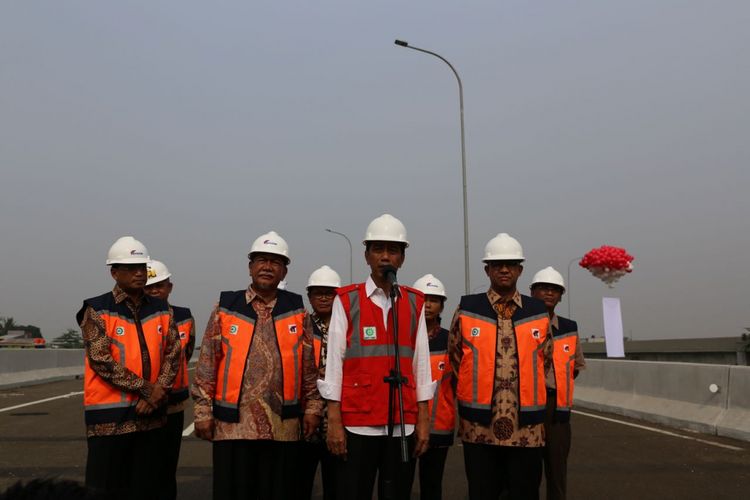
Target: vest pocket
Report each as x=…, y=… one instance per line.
x=356, y=394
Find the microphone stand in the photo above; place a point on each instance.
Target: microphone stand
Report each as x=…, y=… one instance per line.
x=396, y=381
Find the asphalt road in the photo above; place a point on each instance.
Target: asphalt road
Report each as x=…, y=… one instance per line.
x=609, y=460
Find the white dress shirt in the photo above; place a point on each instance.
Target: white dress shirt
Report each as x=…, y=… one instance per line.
x=330, y=387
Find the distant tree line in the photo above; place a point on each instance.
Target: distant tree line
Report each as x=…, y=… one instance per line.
x=69, y=339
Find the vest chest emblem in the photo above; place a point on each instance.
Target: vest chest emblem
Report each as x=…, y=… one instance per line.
x=535, y=333
x=369, y=333
x=119, y=331
x=183, y=335
x=441, y=366
x=233, y=330
x=475, y=332
x=566, y=348
x=293, y=329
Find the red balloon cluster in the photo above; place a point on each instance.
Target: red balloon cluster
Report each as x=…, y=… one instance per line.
x=608, y=263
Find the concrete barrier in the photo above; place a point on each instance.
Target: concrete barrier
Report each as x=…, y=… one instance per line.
x=673, y=394
x=20, y=367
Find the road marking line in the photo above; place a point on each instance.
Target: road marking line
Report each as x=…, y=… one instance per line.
x=189, y=429
x=660, y=431
x=40, y=401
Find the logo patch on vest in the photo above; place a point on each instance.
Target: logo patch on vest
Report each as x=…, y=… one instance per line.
x=293, y=329
x=233, y=329
x=566, y=348
x=158, y=329
x=183, y=335
x=369, y=333
x=441, y=366
x=119, y=331
x=475, y=331
x=535, y=333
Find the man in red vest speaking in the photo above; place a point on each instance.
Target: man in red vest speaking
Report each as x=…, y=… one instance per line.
x=360, y=357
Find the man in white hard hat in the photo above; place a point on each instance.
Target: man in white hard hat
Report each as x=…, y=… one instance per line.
x=159, y=285
x=255, y=378
x=499, y=346
x=442, y=407
x=360, y=357
x=567, y=360
x=321, y=290
x=132, y=357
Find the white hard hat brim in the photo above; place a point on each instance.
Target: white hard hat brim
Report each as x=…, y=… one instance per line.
x=129, y=260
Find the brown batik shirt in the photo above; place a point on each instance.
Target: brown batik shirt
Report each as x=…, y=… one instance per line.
x=503, y=429
x=261, y=395
x=99, y=354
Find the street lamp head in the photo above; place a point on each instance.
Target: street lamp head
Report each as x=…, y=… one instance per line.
x=401, y=43
x=329, y=230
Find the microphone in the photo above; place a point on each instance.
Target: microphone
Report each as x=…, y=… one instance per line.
x=389, y=274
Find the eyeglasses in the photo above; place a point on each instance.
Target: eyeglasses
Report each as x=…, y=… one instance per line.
x=273, y=262
x=323, y=293
x=130, y=268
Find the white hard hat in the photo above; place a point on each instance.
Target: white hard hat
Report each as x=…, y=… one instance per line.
x=430, y=285
x=127, y=250
x=386, y=228
x=549, y=275
x=503, y=247
x=324, y=276
x=270, y=243
x=157, y=272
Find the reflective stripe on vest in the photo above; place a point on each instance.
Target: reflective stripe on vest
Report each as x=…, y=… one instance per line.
x=442, y=406
x=104, y=403
x=237, y=323
x=564, y=351
x=476, y=377
x=184, y=322
x=369, y=354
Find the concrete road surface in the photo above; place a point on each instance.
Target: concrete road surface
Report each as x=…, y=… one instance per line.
x=42, y=434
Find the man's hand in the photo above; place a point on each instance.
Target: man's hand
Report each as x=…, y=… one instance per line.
x=336, y=439
x=158, y=396
x=142, y=408
x=422, y=431
x=205, y=429
x=310, y=423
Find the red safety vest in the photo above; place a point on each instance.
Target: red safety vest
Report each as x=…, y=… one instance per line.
x=183, y=320
x=476, y=376
x=442, y=406
x=237, y=320
x=565, y=340
x=369, y=357
x=103, y=402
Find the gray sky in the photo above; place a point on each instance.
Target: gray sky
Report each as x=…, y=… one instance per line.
x=196, y=126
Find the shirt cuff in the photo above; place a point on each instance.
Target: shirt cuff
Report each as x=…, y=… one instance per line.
x=426, y=392
x=329, y=391
x=314, y=407
x=202, y=412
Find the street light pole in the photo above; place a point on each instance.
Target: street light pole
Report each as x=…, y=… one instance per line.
x=402, y=43
x=567, y=283
x=350, y=251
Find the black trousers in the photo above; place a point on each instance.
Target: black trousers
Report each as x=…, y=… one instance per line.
x=254, y=470
x=127, y=466
x=431, y=467
x=310, y=455
x=172, y=440
x=492, y=469
x=368, y=456
x=556, y=451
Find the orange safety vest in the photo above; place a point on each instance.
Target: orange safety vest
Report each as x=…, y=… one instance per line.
x=368, y=358
x=237, y=320
x=442, y=406
x=183, y=320
x=565, y=340
x=476, y=375
x=103, y=402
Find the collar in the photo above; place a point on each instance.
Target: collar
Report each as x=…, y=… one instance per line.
x=121, y=296
x=251, y=295
x=554, y=322
x=371, y=287
x=495, y=297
